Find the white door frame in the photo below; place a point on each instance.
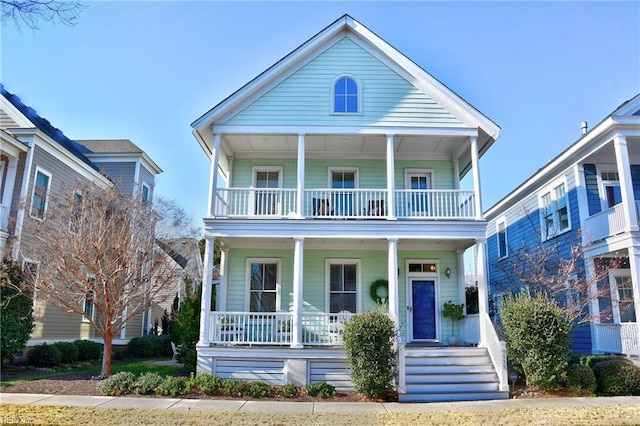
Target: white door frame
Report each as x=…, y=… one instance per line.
x=431, y=276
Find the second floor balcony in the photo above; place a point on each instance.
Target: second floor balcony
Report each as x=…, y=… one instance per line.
x=356, y=203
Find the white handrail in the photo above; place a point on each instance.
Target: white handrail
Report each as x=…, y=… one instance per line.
x=497, y=350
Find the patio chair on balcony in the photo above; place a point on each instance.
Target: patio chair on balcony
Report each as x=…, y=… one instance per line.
x=336, y=326
x=321, y=207
x=376, y=208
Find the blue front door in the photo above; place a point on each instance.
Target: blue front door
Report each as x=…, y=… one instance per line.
x=424, y=312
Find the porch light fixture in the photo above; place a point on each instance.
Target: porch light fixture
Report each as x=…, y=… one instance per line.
x=448, y=272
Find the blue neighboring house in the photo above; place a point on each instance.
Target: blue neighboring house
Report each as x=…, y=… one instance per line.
x=588, y=196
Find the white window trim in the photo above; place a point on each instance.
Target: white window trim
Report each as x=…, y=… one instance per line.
x=278, y=262
x=613, y=287
x=33, y=190
x=35, y=293
x=356, y=175
x=256, y=169
x=93, y=305
x=573, y=298
x=408, y=173
x=602, y=183
x=149, y=193
x=327, y=284
x=332, y=96
x=550, y=189
x=73, y=197
x=502, y=220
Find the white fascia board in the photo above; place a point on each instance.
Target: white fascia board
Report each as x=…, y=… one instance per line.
x=10, y=145
x=259, y=155
x=21, y=120
x=41, y=140
x=587, y=145
x=349, y=130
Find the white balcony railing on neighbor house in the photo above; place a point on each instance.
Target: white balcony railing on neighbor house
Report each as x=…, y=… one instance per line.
x=275, y=328
x=606, y=223
x=470, y=329
x=345, y=203
x=617, y=338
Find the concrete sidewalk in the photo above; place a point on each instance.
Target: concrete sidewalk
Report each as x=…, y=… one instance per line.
x=292, y=407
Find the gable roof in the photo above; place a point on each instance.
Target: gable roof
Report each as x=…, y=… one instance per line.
x=47, y=128
x=627, y=114
x=320, y=42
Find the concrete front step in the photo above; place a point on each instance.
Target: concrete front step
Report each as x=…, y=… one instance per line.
x=453, y=396
x=448, y=378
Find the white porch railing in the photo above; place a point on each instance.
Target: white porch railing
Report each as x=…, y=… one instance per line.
x=353, y=203
x=269, y=202
x=497, y=350
x=617, y=338
x=274, y=328
x=606, y=223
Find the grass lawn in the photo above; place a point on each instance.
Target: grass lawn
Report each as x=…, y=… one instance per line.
x=59, y=415
x=136, y=366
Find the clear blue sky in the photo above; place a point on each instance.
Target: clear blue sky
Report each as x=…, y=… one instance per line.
x=145, y=70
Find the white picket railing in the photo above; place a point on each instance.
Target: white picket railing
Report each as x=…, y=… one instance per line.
x=606, y=223
x=274, y=328
x=352, y=203
x=496, y=348
x=617, y=338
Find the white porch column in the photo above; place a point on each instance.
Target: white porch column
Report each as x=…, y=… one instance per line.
x=213, y=174
x=634, y=264
x=475, y=169
x=221, y=295
x=9, y=183
x=205, y=303
x=392, y=268
x=298, y=274
x=594, y=304
x=300, y=187
x=391, y=181
x=483, y=293
x=626, y=185
x=456, y=174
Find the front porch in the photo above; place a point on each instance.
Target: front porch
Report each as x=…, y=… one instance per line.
x=621, y=338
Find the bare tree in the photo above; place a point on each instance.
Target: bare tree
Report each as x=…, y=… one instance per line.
x=557, y=267
x=97, y=247
x=31, y=12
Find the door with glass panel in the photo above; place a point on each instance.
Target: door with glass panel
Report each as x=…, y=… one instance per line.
x=267, y=194
x=342, y=199
x=263, y=298
x=418, y=183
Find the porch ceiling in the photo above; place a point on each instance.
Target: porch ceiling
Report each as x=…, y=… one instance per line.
x=367, y=146
x=607, y=153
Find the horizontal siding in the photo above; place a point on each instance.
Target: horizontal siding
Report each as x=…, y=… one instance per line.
x=267, y=371
x=305, y=97
x=334, y=372
x=371, y=173
x=53, y=324
x=121, y=172
x=581, y=338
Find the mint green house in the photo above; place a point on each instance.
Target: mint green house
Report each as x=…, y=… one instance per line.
x=335, y=189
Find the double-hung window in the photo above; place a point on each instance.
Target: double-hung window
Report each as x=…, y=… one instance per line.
x=555, y=214
x=501, y=234
x=343, y=283
x=88, y=307
x=41, y=186
x=624, y=289
x=263, y=285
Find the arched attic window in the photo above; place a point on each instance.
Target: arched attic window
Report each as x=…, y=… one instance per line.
x=346, y=95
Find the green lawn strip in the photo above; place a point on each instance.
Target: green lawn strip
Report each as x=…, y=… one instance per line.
x=134, y=366
x=62, y=415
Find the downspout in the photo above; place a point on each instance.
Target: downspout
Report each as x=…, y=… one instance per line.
x=23, y=200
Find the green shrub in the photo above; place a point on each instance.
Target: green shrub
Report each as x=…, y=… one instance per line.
x=184, y=331
x=142, y=347
x=147, y=383
x=118, y=384
x=88, y=350
x=234, y=387
x=174, y=386
x=45, y=356
x=591, y=360
x=259, y=390
x=68, y=351
x=368, y=342
x=617, y=377
x=16, y=315
x=289, y=390
x=208, y=384
x=581, y=380
x=537, y=335
x=321, y=389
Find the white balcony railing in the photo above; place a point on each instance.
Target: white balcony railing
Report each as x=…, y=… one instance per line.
x=617, y=338
x=353, y=203
x=606, y=223
x=274, y=328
